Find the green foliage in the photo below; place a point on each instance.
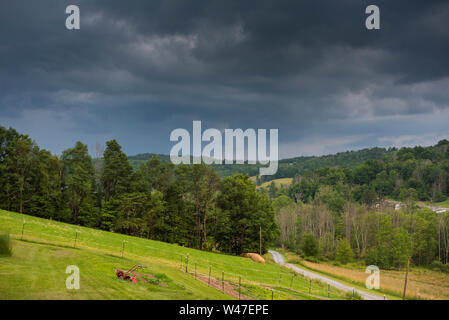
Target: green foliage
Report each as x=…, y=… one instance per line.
x=353, y=295
x=393, y=247
x=344, y=252
x=425, y=241
x=157, y=201
x=244, y=213
x=98, y=253
x=116, y=176
x=77, y=178
x=304, y=190
x=281, y=202
x=309, y=245
x=327, y=249
x=401, y=247
x=331, y=197
x=437, y=265
x=272, y=190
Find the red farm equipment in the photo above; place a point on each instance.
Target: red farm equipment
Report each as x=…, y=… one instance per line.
x=128, y=275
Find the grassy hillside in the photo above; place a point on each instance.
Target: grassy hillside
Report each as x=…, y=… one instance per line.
x=36, y=269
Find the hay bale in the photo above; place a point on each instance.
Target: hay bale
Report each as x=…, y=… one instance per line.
x=254, y=256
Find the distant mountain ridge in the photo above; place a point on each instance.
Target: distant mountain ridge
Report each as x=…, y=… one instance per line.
x=288, y=168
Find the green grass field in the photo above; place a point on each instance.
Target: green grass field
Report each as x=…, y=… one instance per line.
x=36, y=269
x=278, y=182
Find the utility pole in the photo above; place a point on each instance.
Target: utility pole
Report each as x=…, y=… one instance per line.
x=406, y=278
x=260, y=240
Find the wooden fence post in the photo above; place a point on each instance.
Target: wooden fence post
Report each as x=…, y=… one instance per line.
x=23, y=227
x=209, y=274
x=76, y=237
x=240, y=280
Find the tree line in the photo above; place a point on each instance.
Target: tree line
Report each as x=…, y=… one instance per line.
x=340, y=213
x=188, y=205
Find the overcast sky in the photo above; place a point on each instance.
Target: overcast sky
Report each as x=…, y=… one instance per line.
x=136, y=70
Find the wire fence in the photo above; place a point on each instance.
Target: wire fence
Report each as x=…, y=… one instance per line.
x=245, y=284
x=298, y=286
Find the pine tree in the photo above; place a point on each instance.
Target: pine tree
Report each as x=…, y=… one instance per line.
x=117, y=171
x=78, y=178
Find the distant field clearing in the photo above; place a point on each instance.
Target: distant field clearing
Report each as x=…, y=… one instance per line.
x=277, y=182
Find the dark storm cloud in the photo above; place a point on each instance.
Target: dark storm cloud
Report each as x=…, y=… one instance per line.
x=137, y=70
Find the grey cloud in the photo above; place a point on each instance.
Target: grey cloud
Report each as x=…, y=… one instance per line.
x=137, y=70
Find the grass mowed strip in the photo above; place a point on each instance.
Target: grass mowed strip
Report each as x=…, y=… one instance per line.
x=38, y=271
x=37, y=266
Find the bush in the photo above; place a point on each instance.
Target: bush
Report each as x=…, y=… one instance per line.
x=309, y=245
x=312, y=259
x=439, y=266
x=344, y=252
x=5, y=245
x=294, y=260
x=353, y=296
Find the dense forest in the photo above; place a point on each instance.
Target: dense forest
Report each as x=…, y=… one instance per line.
x=287, y=167
x=188, y=205
x=339, y=213
x=338, y=208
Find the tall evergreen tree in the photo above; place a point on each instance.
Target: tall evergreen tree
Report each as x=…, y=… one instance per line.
x=78, y=178
x=117, y=171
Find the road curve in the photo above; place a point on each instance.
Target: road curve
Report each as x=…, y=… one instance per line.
x=277, y=257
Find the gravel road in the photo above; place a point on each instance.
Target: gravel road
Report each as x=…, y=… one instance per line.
x=277, y=257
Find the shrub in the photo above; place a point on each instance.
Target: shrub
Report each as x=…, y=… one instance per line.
x=294, y=260
x=5, y=245
x=353, y=296
x=438, y=266
x=309, y=245
x=344, y=252
x=312, y=259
